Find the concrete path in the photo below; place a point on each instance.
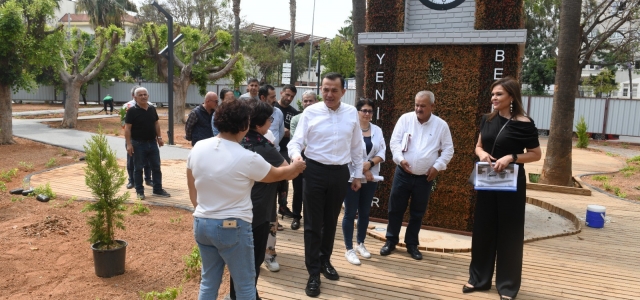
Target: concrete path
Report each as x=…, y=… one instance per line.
x=75, y=139
x=52, y=111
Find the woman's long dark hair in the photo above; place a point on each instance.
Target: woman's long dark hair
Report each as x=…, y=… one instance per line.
x=512, y=87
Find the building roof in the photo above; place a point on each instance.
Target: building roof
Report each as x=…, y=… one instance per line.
x=85, y=18
x=284, y=35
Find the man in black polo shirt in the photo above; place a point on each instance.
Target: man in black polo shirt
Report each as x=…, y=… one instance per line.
x=142, y=133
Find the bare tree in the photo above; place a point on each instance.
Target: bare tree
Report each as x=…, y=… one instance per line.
x=358, y=22
x=557, y=164
x=236, y=27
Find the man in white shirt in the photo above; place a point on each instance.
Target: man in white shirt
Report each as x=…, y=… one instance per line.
x=333, y=138
x=415, y=143
x=252, y=90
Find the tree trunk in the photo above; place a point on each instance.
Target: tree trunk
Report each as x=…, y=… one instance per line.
x=236, y=29
x=292, y=12
x=70, y=119
x=6, y=131
x=358, y=23
x=557, y=164
x=179, y=100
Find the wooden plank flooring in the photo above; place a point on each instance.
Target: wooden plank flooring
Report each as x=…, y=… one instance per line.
x=594, y=264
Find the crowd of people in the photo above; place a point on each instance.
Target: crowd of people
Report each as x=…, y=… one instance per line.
x=246, y=151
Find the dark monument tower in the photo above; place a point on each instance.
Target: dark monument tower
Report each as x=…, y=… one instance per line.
x=456, y=49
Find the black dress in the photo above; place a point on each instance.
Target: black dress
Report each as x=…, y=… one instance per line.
x=498, y=228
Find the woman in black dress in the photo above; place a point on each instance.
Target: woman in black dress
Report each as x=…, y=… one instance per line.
x=498, y=229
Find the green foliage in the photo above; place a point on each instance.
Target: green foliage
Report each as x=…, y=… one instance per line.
x=105, y=13
x=539, y=63
x=51, y=163
x=170, y=293
x=175, y=220
x=3, y=186
x=603, y=83
x=265, y=56
x=581, y=131
x=26, y=166
x=139, y=208
x=634, y=159
x=17, y=199
x=193, y=263
x=104, y=177
x=63, y=151
x=44, y=189
x=9, y=174
x=611, y=154
x=339, y=56
x=600, y=177
x=65, y=203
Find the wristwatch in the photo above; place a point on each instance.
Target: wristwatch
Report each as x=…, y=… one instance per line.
x=372, y=164
x=514, y=157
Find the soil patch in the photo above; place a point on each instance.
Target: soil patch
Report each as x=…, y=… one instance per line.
x=113, y=127
x=45, y=254
x=624, y=184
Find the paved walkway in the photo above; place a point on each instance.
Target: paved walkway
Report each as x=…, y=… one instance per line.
x=595, y=264
x=52, y=111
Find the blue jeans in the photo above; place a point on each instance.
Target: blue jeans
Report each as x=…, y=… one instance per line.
x=404, y=186
x=231, y=246
x=359, y=202
x=146, y=151
x=147, y=169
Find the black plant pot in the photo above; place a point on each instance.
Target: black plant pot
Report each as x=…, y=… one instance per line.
x=109, y=263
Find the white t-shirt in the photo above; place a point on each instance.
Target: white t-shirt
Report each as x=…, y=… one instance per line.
x=224, y=174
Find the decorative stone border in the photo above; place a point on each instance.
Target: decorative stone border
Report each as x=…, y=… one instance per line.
x=560, y=189
x=544, y=205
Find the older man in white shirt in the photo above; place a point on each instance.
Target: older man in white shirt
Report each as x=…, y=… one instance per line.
x=331, y=132
x=415, y=143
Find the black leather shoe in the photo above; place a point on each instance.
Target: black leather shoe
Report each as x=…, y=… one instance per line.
x=413, y=250
x=466, y=289
x=285, y=212
x=129, y=185
x=313, y=286
x=148, y=182
x=387, y=248
x=295, y=224
x=328, y=271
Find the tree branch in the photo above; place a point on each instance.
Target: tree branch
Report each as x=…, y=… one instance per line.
x=225, y=70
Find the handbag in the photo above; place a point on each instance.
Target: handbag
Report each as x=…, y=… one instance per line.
x=472, y=176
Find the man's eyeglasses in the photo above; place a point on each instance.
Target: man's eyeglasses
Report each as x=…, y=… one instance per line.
x=366, y=111
x=270, y=119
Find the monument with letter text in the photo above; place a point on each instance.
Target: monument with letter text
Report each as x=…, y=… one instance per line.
x=456, y=49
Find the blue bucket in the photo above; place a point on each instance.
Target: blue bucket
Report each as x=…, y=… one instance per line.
x=595, y=216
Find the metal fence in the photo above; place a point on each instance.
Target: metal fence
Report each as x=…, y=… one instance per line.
x=604, y=116
x=121, y=92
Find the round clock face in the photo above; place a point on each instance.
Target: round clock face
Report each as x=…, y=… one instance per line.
x=441, y=4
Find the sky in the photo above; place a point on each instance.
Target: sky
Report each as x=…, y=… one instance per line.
x=330, y=15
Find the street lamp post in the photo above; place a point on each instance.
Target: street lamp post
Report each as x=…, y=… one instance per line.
x=318, y=70
x=170, y=66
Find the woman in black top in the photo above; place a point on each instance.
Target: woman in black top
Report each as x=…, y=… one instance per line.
x=498, y=228
x=263, y=195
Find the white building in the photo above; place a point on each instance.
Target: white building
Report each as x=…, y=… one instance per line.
x=70, y=17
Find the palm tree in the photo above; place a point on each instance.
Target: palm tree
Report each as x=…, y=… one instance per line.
x=106, y=12
x=556, y=169
x=236, y=29
x=292, y=15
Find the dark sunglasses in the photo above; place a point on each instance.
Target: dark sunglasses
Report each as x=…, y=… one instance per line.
x=366, y=111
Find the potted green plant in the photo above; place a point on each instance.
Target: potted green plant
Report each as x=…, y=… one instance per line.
x=104, y=177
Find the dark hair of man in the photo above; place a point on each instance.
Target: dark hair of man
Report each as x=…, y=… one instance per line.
x=232, y=117
x=290, y=87
x=260, y=112
x=251, y=80
x=512, y=87
x=334, y=76
x=223, y=92
x=133, y=90
x=365, y=101
x=264, y=90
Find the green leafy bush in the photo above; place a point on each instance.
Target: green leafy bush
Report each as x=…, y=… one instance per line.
x=581, y=131
x=168, y=294
x=600, y=177
x=139, y=208
x=44, y=189
x=9, y=174
x=3, y=186
x=26, y=166
x=193, y=263
x=51, y=163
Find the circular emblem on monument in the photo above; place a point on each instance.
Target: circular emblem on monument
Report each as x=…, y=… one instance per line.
x=441, y=4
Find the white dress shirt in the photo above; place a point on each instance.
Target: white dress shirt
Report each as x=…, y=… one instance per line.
x=331, y=137
x=379, y=149
x=425, y=141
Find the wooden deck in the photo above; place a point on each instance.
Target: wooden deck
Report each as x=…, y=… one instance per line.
x=594, y=264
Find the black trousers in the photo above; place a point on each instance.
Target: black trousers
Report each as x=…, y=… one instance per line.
x=109, y=103
x=324, y=190
x=260, y=234
x=498, y=234
x=283, y=186
x=296, y=202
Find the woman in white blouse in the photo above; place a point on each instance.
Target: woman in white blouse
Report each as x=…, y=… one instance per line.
x=359, y=201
